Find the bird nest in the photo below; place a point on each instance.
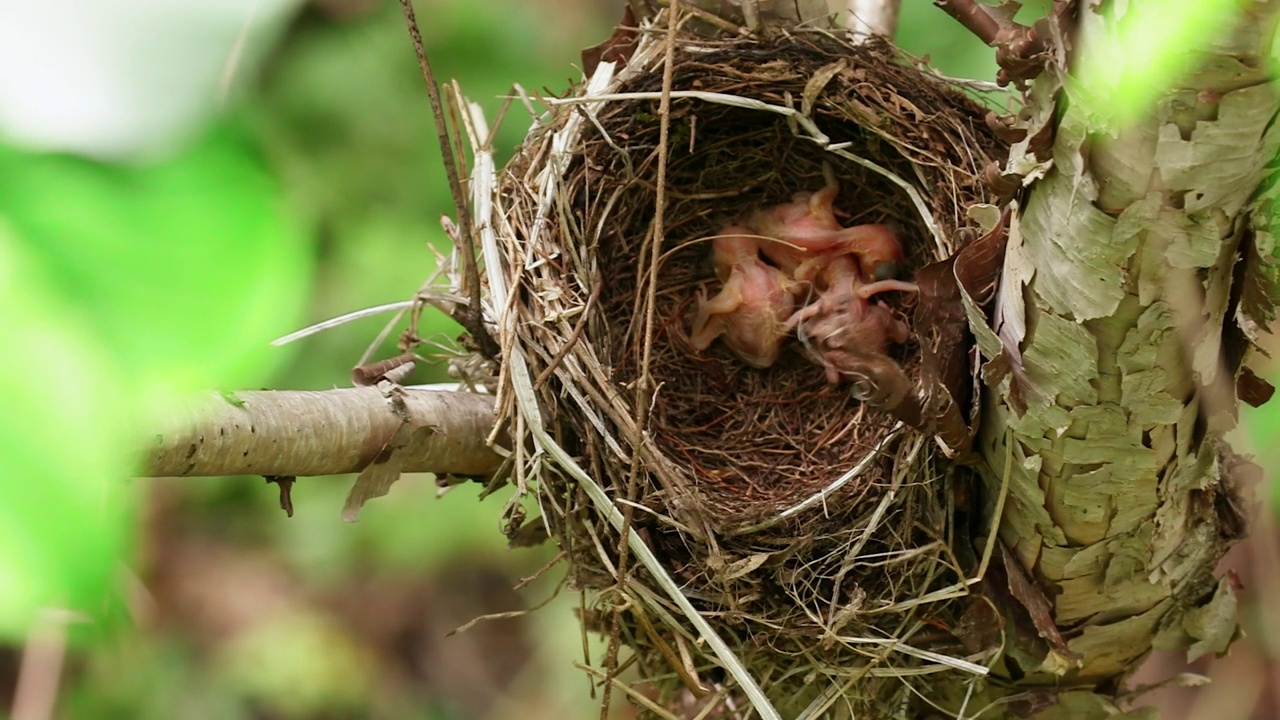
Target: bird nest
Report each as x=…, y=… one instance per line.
x=789, y=526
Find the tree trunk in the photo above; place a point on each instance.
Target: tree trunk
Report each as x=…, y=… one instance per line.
x=1111, y=368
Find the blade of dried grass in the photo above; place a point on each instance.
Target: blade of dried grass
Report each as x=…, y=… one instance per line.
x=826, y=492
x=882, y=508
x=382, y=336
x=901, y=647
x=341, y=320
x=712, y=704
x=528, y=404
x=961, y=588
x=993, y=532
x=916, y=199
x=681, y=663
x=719, y=98
x=636, y=697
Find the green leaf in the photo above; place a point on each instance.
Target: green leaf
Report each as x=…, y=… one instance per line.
x=63, y=452
x=184, y=270
x=120, y=286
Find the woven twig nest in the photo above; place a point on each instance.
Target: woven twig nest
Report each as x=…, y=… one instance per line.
x=807, y=523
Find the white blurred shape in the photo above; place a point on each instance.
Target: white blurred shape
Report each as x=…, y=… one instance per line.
x=125, y=79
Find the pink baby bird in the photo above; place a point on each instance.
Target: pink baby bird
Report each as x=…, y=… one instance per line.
x=806, y=228
x=752, y=309
x=843, y=324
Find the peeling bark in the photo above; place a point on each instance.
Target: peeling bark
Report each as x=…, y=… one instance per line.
x=1116, y=314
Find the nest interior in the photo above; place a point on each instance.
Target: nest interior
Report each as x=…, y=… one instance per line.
x=754, y=442
x=733, y=453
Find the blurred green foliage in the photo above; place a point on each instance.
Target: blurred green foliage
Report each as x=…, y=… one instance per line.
x=62, y=520
x=924, y=31
x=120, y=287
x=345, y=117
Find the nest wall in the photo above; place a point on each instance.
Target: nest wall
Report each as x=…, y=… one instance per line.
x=806, y=523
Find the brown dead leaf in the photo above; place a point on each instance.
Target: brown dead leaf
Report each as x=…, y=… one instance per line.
x=978, y=268
x=978, y=263
x=531, y=534
x=981, y=626
x=943, y=326
x=376, y=479
x=1253, y=389
x=395, y=369
x=880, y=382
x=944, y=336
x=1258, y=294
x=618, y=47
x=1038, y=607
x=385, y=469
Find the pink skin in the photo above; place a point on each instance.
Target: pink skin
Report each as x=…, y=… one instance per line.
x=755, y=310
x=807, y=226
x=751, y=310
x=846, y=328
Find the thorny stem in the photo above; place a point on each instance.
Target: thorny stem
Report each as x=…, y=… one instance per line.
x=644, y=385
x=473, y=318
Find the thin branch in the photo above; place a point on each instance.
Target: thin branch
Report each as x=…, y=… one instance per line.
x=473, y=318
x=1020, y=51
x=40, y=671
x=644, y=388
x=973, y=16
x=290, y=433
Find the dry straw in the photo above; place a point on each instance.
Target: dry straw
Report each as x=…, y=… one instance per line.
x=790, y=549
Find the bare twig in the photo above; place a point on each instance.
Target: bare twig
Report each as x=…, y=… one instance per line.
x=41, y=668
x=473, y=317
x=973, y=16
x=574, y=336
x=1020, y=50
x=303, y=433
x=709, y=18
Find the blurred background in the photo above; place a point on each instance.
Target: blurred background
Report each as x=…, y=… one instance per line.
x=232, y=610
